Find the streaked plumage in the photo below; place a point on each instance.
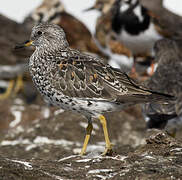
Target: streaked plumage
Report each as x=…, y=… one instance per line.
x=79, y=82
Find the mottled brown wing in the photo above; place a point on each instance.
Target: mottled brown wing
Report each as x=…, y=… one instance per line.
x=85, y=77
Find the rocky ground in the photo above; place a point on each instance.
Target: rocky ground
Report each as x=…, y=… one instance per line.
x=40, y=142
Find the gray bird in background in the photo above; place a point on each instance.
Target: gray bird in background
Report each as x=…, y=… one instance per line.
x=168, y=79
x=14, y=78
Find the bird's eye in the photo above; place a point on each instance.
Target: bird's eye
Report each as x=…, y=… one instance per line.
x=39, y=33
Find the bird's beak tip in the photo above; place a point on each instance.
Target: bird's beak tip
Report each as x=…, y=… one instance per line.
x=25, y=44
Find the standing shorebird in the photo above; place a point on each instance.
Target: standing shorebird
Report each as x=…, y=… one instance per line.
x=79, y=82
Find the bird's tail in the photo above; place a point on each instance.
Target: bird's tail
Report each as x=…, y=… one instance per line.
x=154, y=97
x=141, y=94
x=160, y=97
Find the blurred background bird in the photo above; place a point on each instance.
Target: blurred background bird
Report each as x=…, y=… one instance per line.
x=138, y=27
x=167, y=78
x=134, y=26
x=167, y=22
x=13, y=64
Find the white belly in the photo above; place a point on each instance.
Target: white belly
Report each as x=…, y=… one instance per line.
x=141, y=43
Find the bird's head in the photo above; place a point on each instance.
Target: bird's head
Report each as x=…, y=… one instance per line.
x=46, y=35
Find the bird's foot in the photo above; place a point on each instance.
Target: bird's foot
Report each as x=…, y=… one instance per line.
x=108, y=151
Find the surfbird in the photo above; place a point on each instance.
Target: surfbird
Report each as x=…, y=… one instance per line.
x=80, y=82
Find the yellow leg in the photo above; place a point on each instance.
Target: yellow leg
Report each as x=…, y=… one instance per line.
x=19, y=84
x=87, y=137
x=8, y=91
x=108, y=149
